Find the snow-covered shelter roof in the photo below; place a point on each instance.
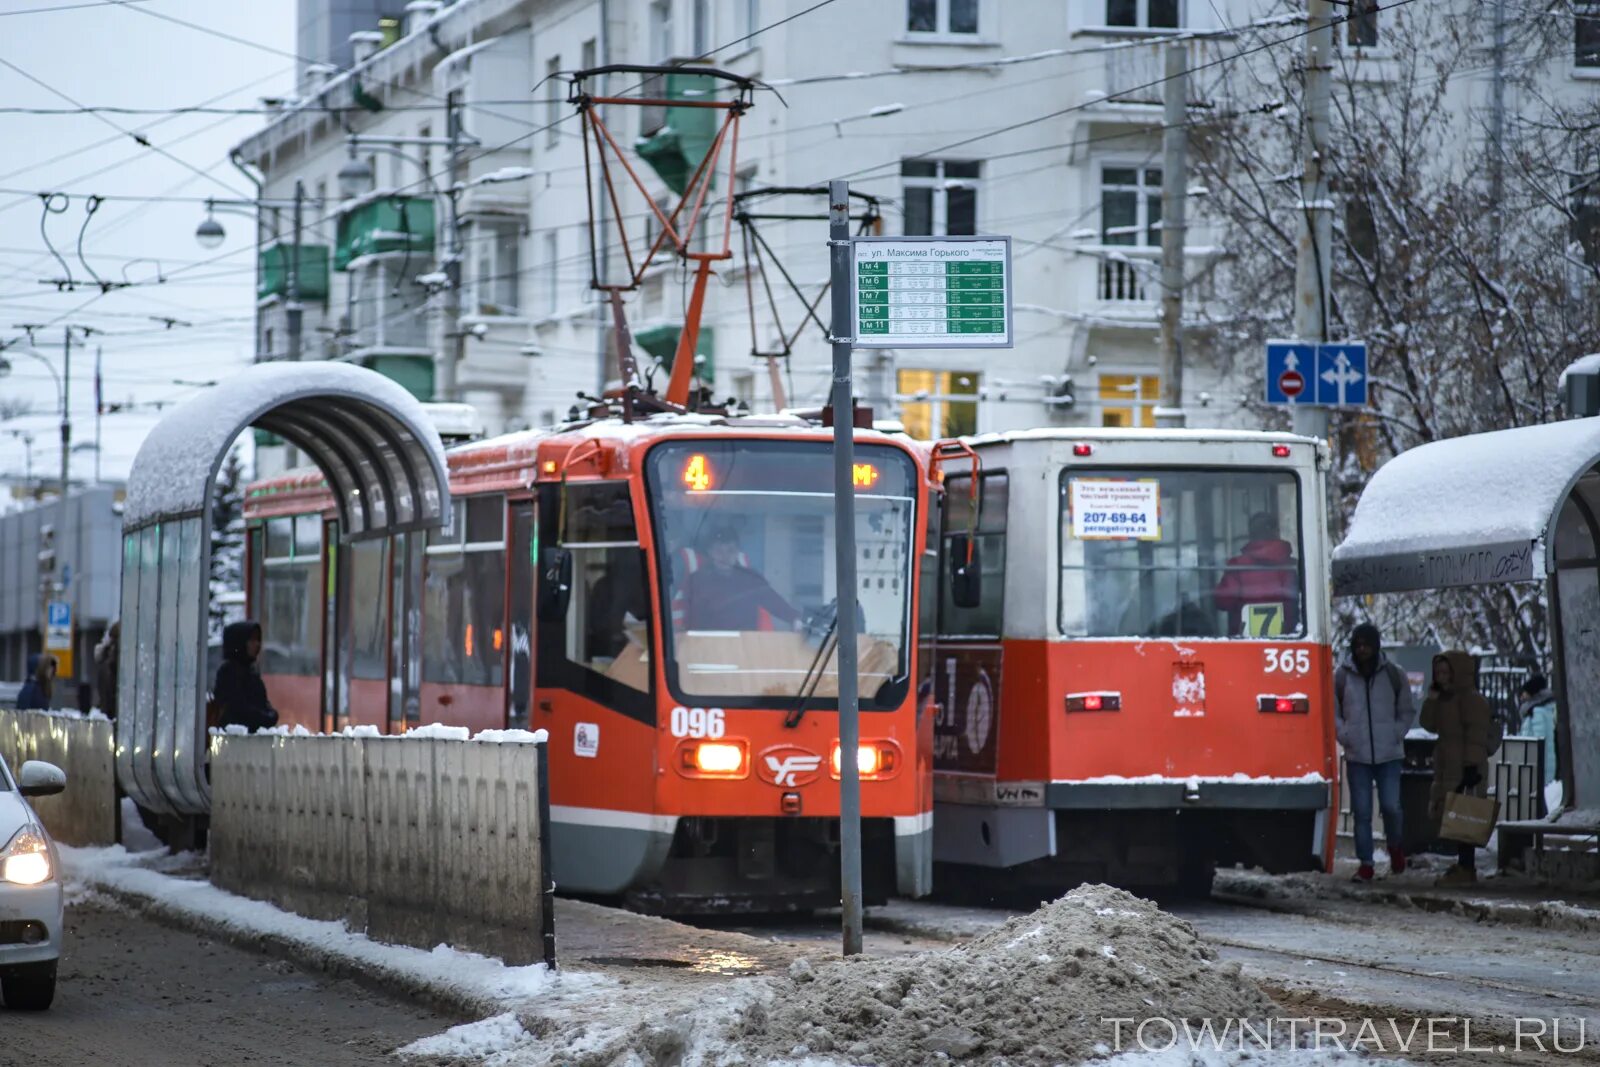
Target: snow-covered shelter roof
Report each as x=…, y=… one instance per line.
x=1473, y=510
x=373, y=441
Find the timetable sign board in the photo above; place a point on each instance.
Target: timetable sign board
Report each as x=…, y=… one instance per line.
x=931, y=292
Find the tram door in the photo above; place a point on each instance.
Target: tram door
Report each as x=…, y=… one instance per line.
x=522, y=576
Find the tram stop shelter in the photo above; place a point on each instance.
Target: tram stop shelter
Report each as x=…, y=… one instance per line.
x=1518, y=505
x=385, y=466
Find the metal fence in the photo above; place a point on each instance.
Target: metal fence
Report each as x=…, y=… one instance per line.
x=86, y=813
x=1516, y=779
x=415, y=841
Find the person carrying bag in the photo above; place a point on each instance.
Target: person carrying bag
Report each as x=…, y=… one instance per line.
x=1460, y=715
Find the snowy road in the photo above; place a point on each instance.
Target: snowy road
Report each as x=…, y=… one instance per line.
x=134, y=993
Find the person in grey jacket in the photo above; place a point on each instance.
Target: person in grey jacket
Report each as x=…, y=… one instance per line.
x=1373, y=710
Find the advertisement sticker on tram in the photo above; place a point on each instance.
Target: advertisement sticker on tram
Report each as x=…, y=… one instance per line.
x=586, y=739
x=965, y=731
x=1116, y=509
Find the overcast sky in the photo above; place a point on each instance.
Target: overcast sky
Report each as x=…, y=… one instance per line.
x=106, y=54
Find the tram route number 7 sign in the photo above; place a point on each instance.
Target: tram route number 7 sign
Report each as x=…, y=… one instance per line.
x=931, y=292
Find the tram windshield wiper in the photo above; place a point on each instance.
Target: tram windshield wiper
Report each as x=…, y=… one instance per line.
x=813, y=676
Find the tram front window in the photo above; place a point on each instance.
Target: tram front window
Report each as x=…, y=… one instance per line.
x=1181, y=553
x=745, y=537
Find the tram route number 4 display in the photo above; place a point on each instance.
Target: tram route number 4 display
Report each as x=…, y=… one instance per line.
x=931, y=292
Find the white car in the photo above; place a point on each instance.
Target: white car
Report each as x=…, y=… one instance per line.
x=30, y=889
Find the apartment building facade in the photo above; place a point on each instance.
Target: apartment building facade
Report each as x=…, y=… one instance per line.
x=1038, y=120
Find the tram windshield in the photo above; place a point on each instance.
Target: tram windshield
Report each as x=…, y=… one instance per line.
x=1181, y=553
x=745, y=533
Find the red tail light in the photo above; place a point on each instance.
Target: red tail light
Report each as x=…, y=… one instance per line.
x=1082, y=450
x=1276, y=705
x=1281, y=451
x=1094, y=701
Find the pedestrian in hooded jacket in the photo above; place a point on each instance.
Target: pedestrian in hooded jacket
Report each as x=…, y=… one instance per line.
x=239, y=688
x=105, y=670
x=1264, y=572
x=1373, y=710
x=38, y=691
x=1460, y=715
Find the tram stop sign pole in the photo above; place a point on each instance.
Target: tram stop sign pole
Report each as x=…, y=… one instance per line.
x=844, y=535
x=891, y=292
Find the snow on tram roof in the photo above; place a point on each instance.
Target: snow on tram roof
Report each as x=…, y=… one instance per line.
x=1135, y=433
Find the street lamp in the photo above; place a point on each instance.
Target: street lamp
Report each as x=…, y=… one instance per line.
x=355, y=177
x=209, y=233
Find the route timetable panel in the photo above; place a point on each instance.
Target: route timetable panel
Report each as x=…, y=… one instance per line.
x=932, y=292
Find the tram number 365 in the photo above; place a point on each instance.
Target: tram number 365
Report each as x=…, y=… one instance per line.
x=698, y=722
x=1288, y=660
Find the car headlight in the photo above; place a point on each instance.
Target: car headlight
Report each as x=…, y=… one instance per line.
x=26, y=860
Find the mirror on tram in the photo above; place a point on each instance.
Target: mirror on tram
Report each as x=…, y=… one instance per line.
x=966, y=571
x=555, y=585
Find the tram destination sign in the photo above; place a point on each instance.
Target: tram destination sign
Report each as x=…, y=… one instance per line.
x=931, y=292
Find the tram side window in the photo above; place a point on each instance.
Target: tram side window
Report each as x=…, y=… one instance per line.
x=1181, y=553
x=464, y=597
x=291, y=597
x=606, y=623
x=369, y=609
x=994, y=495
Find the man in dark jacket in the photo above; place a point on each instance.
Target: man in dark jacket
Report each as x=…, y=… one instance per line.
x=239, y=689
x=726, y=595
x=1373, y=710
x=38, y=691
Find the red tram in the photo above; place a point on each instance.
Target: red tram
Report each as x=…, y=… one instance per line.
x=658, y=595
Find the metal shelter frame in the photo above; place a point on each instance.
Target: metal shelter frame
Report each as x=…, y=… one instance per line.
x=385, y=465
x=597, y=140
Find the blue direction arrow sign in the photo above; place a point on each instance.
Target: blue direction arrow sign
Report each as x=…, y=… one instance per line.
x=1324, y=375
x=1342, y=374
x=1291, y=366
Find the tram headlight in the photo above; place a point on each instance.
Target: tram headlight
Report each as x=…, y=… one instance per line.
x=874, y=760
x=713, y=759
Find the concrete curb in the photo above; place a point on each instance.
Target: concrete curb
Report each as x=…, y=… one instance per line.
x=331, y=962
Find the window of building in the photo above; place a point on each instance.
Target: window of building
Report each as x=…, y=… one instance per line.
x=1129, y=399
x=1360, y=225
x=425, y=156
x=591, y=51
x=747, y=15
x=551, y=269
x=1219, y=557
x=388, y=309
x=701, y=26
x=496, y=265
x=942, y=16
x=661, y=43
x=1363, y=24
x=463, y=597
x=1144, y=14
x=1130, y=205
x=1586, y=33
x=554, y=105
x=941, y=196
x=935, y=404
x=1585, y=225
x=292, y=605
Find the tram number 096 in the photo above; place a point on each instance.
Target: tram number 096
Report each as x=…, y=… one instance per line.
x=698, y=722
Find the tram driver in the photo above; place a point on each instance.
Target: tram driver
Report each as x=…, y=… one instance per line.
x=727, y=595
x=1260, y=590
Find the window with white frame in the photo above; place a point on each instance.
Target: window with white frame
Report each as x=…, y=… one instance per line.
x=550, y=270
x=590, y=53
x=942, y=16
x=747, y=17
x=1144, y=14
x=554, y=107
x=497, y=265
x=1130, y=205
x=701, y=26
x=940, y=196
x=1586, y=33
x=388, y=309
x=661, y=45
x=425, y=155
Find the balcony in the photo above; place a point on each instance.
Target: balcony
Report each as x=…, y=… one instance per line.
x=673, y=140
x=1136, y=66
x=1126, y=279
x=662, y=342
x=379, y=223
x=313, y=275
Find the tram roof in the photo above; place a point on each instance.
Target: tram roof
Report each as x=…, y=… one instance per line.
x=1134, y=434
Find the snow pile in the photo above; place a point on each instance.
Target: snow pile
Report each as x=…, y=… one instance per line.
x=1037, y=990
x=472, y=1042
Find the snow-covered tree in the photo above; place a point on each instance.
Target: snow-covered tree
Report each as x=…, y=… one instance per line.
x=1464, y=252
x=227, y=538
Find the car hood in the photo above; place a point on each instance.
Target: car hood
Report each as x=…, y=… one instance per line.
x=14, y=815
